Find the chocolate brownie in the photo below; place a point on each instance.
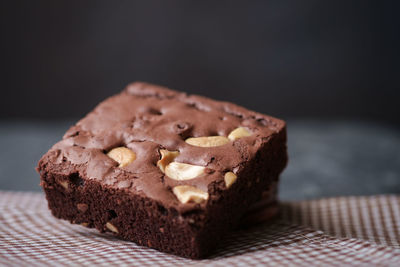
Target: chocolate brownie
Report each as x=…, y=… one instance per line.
x=164, y=169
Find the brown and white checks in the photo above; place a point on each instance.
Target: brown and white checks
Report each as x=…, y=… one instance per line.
x=344, y=231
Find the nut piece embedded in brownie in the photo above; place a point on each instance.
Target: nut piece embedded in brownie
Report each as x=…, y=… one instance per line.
x=164, y=169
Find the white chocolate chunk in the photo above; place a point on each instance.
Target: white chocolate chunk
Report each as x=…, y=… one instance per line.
x=187, y=193
x=182, y=171
x=166, y=158
x=229, y=178
x=207, y=141
x=239, y=133
x=111, y=227
x=64, y=184
x=124, y=156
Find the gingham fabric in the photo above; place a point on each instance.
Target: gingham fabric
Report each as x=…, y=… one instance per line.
x=344, y=231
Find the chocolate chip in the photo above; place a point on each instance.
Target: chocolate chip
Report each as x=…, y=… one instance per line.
x=112, y=214
x=182, y=128
x=76, y=180
x=154, y=111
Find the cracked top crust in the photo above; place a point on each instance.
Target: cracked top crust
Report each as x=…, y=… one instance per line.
x=146, y=118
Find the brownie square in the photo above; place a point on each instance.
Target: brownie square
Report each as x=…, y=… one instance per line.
x=164, y=169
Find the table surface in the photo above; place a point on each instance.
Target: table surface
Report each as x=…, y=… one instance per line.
x=325, y=158
x=341, y=231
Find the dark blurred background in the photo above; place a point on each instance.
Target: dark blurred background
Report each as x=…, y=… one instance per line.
x=331, y=68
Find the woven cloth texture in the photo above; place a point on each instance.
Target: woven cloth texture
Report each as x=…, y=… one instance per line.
x=343, y=231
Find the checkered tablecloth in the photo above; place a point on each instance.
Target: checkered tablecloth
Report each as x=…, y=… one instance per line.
x=344, y=231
